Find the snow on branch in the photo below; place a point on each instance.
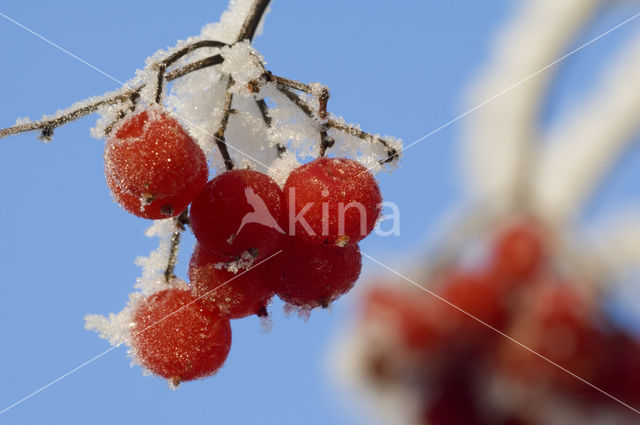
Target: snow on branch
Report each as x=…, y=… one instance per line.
x=582, y=147
x=500, y=136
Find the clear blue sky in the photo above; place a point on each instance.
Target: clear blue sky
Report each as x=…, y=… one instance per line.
x=66, y=249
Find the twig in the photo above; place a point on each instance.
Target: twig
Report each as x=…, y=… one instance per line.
x=169, y=60
x=250, y=25
x=264, y=112
x=392, y=153
x=123, y=113
x=160, y=82
x=286, y=82
x=194, y=66
x=180, y=223
x=49, y=125
x=222, y=128
x=298, y=102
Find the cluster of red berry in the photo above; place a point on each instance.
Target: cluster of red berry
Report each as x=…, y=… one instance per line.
x=306, y=235
x=455, y=359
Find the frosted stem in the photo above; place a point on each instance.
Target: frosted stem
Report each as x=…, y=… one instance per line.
x=219, y=136
x=392, y=153
x=47, y=126
x=584, y=146
x=123, y=113
x=180, y=222
x=250, y=25
x=501, y=135
x=266, y=117
x=194, y=66
x=169, y=60
x=160, y=83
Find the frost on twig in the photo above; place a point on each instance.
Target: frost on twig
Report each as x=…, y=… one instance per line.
x=500, y=139
x=583, y=146
x=218, y=83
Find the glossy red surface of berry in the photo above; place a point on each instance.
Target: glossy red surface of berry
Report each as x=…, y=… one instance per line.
x=309, y=275
x=153, y=167
x=175, y=337
x=332, y=201
x=234, y=295
x=238, y=211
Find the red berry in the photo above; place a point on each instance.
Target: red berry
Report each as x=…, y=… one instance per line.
x=619, y=369
x=411, y=315
x=176, y=338
x=557, y=323
x=153, y=167
x=426, y=323
x=454, y=401
x=231, y=294
x=308, y=275
x=332, y=201
x=478, y=295
x=238, y=211
x=518, y=251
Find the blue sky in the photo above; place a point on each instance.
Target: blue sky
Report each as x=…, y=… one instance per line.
x=66, y=249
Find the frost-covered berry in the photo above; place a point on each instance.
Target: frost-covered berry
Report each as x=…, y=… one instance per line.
x=234, y=295
x=153, y=167
x=309, y=275
x=175, y=337
x=332, y=201
x=239, y=211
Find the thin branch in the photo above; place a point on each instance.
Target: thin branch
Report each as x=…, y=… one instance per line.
x=264, y=112
x=222, y=128
x=286, y=82
x=49, y=125
x=266, y=117
x=123, y=113
x=250, y=25
x=160, y=82
x=326, y=141
x=180, y=223
x=295, y=99
x=194, y=66
x=322, y=94
x=169, y=60
x=392, y=153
